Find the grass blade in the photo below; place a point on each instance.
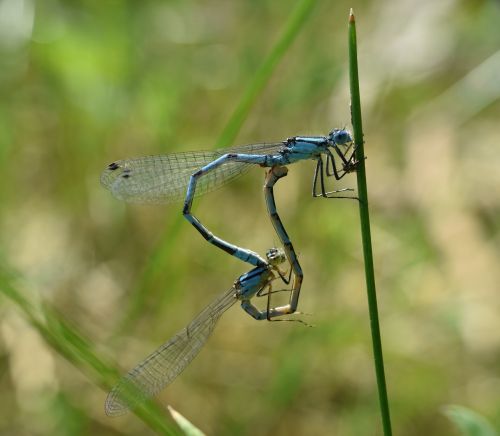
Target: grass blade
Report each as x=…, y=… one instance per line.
x=365, y=227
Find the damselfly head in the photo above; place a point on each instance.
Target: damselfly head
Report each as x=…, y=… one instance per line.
x=275, y=256
x=340, y=137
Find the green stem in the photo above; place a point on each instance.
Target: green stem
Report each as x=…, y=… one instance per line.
x=365, y=227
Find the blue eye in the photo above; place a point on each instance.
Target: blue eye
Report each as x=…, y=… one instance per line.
x=340, y=136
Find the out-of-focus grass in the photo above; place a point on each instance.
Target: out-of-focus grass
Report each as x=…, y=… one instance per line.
x=85, y=83
x=65, y=340
x=468, y=422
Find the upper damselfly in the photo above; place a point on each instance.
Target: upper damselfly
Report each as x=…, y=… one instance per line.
x=172, y=177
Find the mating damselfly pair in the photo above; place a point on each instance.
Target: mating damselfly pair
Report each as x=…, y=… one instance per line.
x=177, y=176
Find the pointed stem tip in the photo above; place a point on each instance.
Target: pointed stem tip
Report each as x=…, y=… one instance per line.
x=351, y=16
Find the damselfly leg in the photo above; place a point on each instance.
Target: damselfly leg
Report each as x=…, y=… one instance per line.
x=330, y=169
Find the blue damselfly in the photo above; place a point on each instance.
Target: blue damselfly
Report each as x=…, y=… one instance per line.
x=163, y=366
x=172, y=177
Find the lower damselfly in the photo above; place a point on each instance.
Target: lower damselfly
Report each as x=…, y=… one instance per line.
x=163, y=366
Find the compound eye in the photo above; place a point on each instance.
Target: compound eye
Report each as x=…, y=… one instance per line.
x=342, y=137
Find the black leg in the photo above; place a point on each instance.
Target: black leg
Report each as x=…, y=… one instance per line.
x=321, y=172
x=315, y=178
x=335, y=172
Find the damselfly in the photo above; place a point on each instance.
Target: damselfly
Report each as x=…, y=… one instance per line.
x=162, y=367
x=172, y=177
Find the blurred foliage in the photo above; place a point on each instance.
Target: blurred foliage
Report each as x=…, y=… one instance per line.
x=469, y=422
x=83, y=83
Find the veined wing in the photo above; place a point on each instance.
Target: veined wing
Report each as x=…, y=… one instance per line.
x=164, y=178
x=162, y=367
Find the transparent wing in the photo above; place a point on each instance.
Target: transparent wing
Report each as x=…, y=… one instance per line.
x=164, y=178
x=162, y=367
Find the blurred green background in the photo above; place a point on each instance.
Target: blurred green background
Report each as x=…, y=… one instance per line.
x=84, y=83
